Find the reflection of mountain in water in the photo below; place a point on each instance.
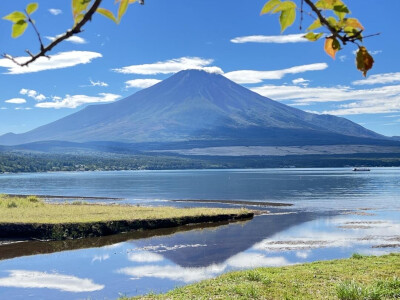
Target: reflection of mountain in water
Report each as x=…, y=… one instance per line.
x=223, y=243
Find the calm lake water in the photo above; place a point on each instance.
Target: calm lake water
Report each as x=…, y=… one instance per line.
x=336, y=212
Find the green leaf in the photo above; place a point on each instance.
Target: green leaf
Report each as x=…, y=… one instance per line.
x=106, y=13
x=332, y=22
x=284, y=6
x=336, y=45
x=269, y=6
x=15, y=16
x=19, y=28
x=32, y=7
x=316, y=24
x=324, y=4
x=287, y=18
x=311, y=36
x=78, y=6
x=341, y=11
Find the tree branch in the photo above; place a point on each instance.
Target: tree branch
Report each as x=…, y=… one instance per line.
x=74, y=30
x=325, y=22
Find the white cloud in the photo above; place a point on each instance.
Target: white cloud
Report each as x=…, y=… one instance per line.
x=171, y=66
x=278, y=39
x=141, y=83
x=23, y=108
x=57, y=61
x=379, y=79
x=3, y=108
x=98, y=83
x=16, y=101
x=34, y=279
x=73, y=39
x=342, y=58
x=251, y=76
x=73, y=101
x=301, y=81
x=33, y=94
x=365, y=101
x=55, y=11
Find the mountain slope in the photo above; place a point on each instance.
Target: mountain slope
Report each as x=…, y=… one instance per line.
x=191, y=105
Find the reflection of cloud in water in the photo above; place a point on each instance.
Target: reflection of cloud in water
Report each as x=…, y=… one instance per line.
x=164, y=248
x=34, y=279
x=333, y=233
x=187, y=275
x=174, y=272
x=145, y=256
x=253, y=260
x=100, y=258
x=303, y=254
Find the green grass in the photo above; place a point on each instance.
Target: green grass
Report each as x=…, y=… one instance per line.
x=33, y=210
x=358, y=278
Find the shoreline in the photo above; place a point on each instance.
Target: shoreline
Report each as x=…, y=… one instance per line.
x=48, y=231
x=233, y=202
x=65, y=197
x=239, y=202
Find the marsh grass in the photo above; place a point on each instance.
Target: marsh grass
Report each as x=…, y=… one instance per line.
x=381, y=289
x=360, y=277
x=34, y=210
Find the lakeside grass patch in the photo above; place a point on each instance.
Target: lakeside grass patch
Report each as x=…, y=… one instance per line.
x=356, y=278
x=34, y=210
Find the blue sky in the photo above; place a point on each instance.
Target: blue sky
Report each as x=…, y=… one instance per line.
x=108, y=62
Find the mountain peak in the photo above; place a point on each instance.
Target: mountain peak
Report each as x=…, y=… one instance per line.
x=191, y=105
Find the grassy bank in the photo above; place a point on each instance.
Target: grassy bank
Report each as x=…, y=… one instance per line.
x=357, y=278
x=31, y=217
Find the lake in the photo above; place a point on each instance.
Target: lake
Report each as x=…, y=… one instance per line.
x=336, y=212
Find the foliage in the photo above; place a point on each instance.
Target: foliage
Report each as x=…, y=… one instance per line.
x=29, y=162
x=329, y=14
x=82, y=12
x=373, y=277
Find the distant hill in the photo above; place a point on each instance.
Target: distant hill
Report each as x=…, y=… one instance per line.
x=194, y=108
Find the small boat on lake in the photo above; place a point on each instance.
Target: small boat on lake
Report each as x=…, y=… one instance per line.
x=361, y=169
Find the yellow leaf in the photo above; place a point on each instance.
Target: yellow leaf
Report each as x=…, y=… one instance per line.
x=352, y=22
x=287, y=18
x=107, y=14
x=364, y=60
x=331, y=46
x=316, y=24
x=269, y=6
x=31, y=7
x=123, y=6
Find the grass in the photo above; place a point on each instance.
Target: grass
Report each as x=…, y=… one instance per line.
x=33, y=210
x=356, y=278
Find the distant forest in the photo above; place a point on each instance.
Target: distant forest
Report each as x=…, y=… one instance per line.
x=29, y=162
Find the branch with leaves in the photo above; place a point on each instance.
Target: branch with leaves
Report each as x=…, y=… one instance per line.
x=331, y=15
x=82, y=12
